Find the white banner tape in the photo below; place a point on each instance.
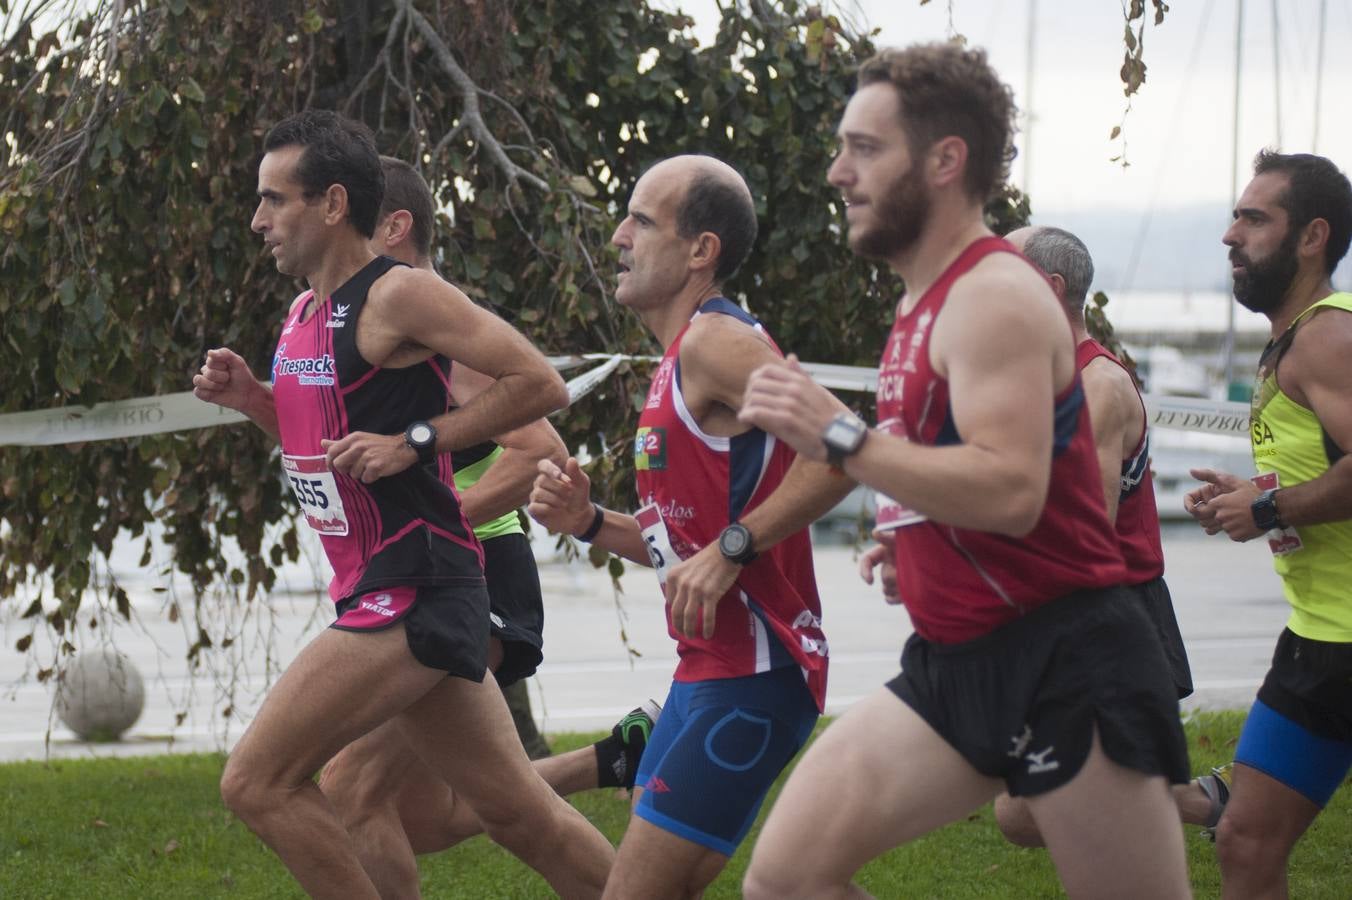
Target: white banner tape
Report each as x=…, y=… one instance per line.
x=120, y=419
x=1195, y=414
x=179, y=412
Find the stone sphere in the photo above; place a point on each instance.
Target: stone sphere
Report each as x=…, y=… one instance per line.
x=101, y=694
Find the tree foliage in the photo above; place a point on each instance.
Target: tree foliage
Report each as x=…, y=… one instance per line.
x=126, y=187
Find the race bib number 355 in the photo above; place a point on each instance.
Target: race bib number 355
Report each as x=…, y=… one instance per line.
x=316, y=491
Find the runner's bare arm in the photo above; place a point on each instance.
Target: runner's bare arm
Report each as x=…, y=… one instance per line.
x=997, y=342
x=716, y=363
x=507, y=483
x=414, y=307
x=561, y=501
x=225, y=379
x=1113, y=410
x=1314, y=373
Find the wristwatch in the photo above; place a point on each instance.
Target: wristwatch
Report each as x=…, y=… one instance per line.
x=1264, y=510
x=843, y=437
x=736, y=545
x=422, y=437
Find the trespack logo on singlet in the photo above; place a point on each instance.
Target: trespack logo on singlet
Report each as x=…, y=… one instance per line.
x=309, y=370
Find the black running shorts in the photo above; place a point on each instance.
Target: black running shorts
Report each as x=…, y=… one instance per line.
x=517, y=614
x=1159, y=606
x=1310, y=683
x=1023, y=702
x=446, y=624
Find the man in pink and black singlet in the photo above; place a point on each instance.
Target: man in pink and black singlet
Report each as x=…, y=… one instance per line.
x=723, y=519
x=360, y=401
x=1030, y=671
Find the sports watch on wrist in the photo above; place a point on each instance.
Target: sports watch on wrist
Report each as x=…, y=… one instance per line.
x=422, y=437
x=843, y=437
x=1264, y=509
x=736, y=545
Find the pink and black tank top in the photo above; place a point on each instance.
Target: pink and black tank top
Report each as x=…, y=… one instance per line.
x=402, y=530
x=1138, y=520
x=958, y=583
x=691, y=486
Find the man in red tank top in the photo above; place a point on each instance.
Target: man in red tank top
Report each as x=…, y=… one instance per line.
x=359, y=404
x=1120, y=435
x=723, y=522
x=1030, y=671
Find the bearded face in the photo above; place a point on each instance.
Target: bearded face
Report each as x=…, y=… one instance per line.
x=900, y=213
x=1260, y=284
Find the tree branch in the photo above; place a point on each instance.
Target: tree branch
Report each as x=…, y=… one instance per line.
x=471, y=114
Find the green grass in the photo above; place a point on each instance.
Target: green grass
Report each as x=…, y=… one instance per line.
x=154, y=827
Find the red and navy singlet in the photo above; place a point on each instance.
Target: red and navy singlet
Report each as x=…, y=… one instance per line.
x=959, y=583
x=402, y=530
x=1138, y=520
x=692, y=485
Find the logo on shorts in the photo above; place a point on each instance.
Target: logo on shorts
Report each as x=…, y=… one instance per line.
x=495, y=619
x=379, y=604
x=657, y=786
x=1021, y=742
x=1039, y=763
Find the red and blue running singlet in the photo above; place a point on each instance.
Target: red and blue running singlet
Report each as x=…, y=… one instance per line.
x=401, y=530
x=959, y=583
x=1138, y=520
x=691, y=486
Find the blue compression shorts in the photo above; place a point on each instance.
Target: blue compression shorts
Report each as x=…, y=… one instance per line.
x=1307, y=763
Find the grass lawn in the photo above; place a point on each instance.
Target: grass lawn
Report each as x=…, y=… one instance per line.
x=154, y=827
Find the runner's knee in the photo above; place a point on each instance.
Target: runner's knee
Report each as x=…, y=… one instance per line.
x=243, y=793
x=1248, y=844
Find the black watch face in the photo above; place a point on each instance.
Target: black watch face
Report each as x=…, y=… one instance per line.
x=734, y=541
x=420, y=434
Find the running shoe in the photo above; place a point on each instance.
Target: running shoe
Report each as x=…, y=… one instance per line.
x=1216, y=786
x=633, y=732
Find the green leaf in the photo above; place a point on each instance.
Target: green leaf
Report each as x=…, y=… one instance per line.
x=311, y=22
x=189, y=89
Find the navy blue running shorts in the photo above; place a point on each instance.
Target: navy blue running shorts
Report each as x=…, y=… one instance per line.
x=716, y=750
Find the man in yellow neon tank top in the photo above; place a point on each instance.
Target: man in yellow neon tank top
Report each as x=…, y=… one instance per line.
x=1291, y=227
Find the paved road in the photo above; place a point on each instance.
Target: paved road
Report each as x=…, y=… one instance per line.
x=1228, y=602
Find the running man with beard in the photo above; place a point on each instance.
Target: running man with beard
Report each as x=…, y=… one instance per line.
x=1030, y=670
x=724, y=524
x=1122, y=442
x=1291, y=228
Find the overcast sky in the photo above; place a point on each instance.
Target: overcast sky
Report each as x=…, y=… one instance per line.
x=1179, y=130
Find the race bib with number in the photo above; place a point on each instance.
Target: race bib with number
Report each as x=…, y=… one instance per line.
x=1281, y=541
x=316, y=491
x=658, y=542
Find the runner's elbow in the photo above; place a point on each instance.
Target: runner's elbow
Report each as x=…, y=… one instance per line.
x=1021, y=511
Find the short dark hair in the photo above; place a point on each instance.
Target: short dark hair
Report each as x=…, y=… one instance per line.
x=717, y=204
x=1058, y=252
x=337, y=150
x=1316, y=190
x=947, y=90
x=406, y=189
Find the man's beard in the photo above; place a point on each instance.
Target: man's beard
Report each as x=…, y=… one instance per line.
x=899, y=214
x=1263, y=283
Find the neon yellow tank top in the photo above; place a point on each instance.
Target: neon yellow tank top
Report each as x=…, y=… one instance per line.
x=507, y=523
x=1314, y=561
